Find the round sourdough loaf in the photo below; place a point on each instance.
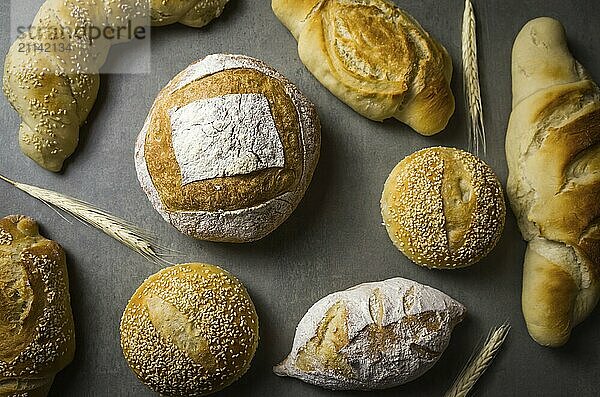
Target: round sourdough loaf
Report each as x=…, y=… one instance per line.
x=228, y=149
x=443, y=208
x=189, y=330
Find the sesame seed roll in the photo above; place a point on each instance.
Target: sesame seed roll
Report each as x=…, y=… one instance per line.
x=37, y=335
x=189, y=330
x=443, y=208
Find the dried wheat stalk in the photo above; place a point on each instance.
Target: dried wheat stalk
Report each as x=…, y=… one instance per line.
x=471, y=86
x=139, y=240
x=479, y=362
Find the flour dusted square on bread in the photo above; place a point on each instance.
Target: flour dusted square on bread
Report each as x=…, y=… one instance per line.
x=210, y=140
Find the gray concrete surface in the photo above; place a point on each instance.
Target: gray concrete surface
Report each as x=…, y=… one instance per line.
x=334, y=240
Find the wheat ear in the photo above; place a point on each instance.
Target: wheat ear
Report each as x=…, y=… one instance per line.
x=471, y=86
x=479, y=362
x=139, y=240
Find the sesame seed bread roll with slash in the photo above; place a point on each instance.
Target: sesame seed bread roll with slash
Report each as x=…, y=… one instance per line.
x=54, y=91
x=37, y=337
x=443, y=208
x=228, y=149
x=189, y=330
x=553, y=154
x=374, y=57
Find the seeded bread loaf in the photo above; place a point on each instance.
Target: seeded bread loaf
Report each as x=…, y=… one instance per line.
x=36, y=325
x=189, y=330
x=228, y=149
x=553, y=154
x=374, y=57
x=372, y=336
x=54, y=91
x=443, y=208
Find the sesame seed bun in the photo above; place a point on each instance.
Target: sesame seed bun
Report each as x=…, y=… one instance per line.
x=189, y=330
x=443, y=208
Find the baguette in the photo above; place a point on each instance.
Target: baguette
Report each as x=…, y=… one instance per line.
x=553, y=154
x=54, y=91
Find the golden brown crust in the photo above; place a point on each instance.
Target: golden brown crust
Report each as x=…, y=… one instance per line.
x=443, y=208
x=36, y=324
x=374, y=57
x=225, y=193
x=230, y=193
x=549, y=294
x=553, y=154
x=574, y=149
x=54, y=91
x=189, y=330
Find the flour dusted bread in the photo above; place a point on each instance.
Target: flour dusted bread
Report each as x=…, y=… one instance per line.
x=228, y=149
x=36, y=325
x=443, y=208
x=553, y=154
x=54, y=90
x=189, y=330
x=372, y=336
x=375, y=57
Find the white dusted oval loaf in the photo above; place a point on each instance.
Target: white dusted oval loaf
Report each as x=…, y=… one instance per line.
x=372, y=336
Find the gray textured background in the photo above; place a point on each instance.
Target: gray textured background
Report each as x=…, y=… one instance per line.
x=334, y=240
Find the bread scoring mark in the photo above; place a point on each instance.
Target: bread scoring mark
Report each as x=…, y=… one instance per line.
x=376, y=308
x=229, y=135
x=458, y=201
x=592, y=232
x=408, y=299
x=322, y=352
x=16, y=296
x=557, y=111
x=177, y=328
x=359, y=39
x=316, y=8
x=583, y=167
